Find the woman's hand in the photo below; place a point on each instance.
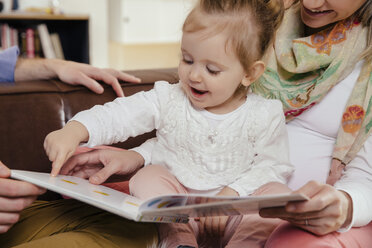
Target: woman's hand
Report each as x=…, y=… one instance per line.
x=99, y=165
x=60, y=145
x=215, y=225
x=327, y=210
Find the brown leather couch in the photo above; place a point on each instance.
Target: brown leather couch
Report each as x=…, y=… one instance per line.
x=30, y=110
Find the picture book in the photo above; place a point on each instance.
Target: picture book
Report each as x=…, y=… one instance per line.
x=166, y=208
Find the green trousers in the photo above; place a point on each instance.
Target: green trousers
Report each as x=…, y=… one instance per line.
x=70, y=223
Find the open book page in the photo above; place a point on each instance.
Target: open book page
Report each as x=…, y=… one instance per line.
x=167, y=208
x=194, y=205
x=97, y=195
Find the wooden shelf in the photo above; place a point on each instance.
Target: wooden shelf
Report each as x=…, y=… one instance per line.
x=73, y=30
x=41, y=16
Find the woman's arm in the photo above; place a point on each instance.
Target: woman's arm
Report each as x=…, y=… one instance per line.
x=357, y=182
x=334, y=208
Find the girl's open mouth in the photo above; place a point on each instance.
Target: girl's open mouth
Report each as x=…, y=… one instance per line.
x=198, y=92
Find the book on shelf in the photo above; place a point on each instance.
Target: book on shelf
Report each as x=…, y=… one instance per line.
x=30, y=40
x=33, y=41
x=46, y=42
x=57, y=46
x=5, y=36
x=167, y=208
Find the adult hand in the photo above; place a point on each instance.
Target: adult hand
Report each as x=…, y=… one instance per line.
x=77, y=73
x=215, y=225
x=60, y=145
x=99, y=165
x=14, y=197
x=327, y=210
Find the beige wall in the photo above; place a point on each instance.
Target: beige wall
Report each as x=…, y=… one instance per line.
x=143, y=56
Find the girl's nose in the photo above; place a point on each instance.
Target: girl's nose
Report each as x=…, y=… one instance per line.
x=195, y=74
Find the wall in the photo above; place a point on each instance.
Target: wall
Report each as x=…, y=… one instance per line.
x=98, y=30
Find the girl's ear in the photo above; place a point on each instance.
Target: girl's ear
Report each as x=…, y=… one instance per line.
x=254, y=72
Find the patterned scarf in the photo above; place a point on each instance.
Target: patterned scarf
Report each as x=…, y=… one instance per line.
x=302, y=70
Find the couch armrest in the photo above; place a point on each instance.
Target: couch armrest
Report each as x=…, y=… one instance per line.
x=30, y=110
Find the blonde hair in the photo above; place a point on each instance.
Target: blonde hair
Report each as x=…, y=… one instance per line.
x=250, y=24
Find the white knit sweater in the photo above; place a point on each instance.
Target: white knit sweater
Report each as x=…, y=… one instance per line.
x=245, y=151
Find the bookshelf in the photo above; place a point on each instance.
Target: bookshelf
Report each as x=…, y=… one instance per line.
x=73, y=30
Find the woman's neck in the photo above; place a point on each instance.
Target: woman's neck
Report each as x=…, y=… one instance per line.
x=310, y=31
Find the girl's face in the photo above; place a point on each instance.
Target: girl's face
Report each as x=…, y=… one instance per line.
x=210, y=72
x=320, y=13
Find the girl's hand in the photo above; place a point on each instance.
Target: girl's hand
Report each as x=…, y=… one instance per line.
x=99, y=165
x=215, y=225
x=60, y=145
x=327, y=210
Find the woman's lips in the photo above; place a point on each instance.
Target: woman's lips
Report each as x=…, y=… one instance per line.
x=317, y=13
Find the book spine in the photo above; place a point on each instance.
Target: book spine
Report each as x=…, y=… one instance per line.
x=46, y=42
x=56, y=41
x=30, y=47
x=38, y=51
x=5, y=36
x=23, y=44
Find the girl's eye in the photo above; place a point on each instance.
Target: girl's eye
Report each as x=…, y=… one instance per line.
x=187, y=61
x=213, y=71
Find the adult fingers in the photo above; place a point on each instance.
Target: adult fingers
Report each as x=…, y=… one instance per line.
x=321, y=196
x=319, y=226
x=8, y=218
x=4, y=228
x=15, y=188
x=109, y=79
x=15, y=204
x=103, y=174
x=123, y=76
x=89, y=82
x=4, y=171
x=87, y=158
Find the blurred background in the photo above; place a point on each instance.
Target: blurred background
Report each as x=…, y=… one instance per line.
x=122, y=34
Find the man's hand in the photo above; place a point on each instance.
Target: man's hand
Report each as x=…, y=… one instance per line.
x=71, y=73
x=77, y=73
x=14, y=197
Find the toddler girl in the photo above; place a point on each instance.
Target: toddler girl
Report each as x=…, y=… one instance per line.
x=213, y=136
